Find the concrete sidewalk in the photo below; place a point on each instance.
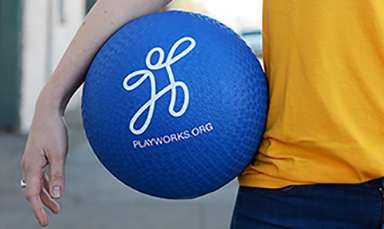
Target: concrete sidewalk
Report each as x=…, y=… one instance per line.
x=95, y=199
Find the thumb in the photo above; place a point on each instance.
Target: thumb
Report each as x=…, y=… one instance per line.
x=56, y=177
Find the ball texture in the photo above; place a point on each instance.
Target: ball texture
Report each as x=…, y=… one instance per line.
x=175, y=105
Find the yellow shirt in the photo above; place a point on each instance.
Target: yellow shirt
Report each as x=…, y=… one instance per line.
x=324, y=62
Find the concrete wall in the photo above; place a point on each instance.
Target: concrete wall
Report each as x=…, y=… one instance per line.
x=239, y=15
x=48, y=28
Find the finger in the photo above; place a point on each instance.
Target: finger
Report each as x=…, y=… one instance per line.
x=45, y=182
x=49, y=202
x=56, y=175
x=47, y=199
x=33, y=171
x=32, y=194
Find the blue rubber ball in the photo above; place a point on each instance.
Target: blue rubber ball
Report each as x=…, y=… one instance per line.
x=175, y=105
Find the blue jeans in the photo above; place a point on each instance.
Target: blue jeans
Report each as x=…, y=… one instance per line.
x=311, y=206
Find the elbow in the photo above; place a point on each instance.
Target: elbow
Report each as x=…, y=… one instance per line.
x=166, y=2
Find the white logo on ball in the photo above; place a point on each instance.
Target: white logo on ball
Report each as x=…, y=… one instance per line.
x=171, y=87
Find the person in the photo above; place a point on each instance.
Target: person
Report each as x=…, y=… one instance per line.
x=47, y=140
x=320, y=164
x=321, y=161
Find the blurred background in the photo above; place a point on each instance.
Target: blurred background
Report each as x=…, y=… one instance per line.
x=33, y=37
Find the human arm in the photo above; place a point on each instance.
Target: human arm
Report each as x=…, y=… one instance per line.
x=47, y=141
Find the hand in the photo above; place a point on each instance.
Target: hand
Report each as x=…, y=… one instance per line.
x=47, y=145
x=48, y=141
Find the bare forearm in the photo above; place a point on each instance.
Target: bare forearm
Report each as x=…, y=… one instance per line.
x=105, y=18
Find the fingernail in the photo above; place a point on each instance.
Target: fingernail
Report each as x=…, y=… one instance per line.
x=56, y=192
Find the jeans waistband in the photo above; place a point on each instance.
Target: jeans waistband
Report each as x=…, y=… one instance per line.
x=376, y=182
